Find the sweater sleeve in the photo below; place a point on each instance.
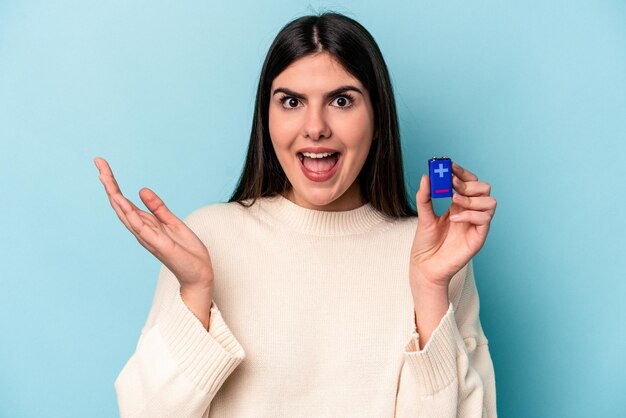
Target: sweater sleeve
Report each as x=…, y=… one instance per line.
x=453, y=375
x=177, y=367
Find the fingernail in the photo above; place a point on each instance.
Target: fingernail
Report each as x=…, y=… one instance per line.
x=454, y=217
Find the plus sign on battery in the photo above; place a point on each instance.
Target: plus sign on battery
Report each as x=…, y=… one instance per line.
x=441, y=170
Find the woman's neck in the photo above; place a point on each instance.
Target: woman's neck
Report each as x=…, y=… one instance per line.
x=349, y=200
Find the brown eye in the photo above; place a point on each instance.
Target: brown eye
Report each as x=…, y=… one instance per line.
x=292, y=102
x=344, y=101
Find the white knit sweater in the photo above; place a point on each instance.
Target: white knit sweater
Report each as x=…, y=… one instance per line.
x=312, y=316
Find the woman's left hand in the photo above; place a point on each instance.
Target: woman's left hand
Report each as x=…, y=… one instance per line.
x=444, y=244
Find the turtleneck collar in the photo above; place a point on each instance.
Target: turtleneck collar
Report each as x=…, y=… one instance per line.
x=283, y=211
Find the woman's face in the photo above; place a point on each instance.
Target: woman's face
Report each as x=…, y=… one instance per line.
x=317, y=106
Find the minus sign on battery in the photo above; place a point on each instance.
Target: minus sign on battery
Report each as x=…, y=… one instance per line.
x=442, y=190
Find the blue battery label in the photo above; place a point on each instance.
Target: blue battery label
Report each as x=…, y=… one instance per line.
x=440, y=171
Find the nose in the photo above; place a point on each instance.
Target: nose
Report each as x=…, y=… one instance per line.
x=316, y=126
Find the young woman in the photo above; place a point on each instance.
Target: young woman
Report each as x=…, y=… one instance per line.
x=335, y=299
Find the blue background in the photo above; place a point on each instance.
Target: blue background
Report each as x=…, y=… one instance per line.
x=531, y=96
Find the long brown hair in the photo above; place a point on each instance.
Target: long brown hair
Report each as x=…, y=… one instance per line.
x=381, y=179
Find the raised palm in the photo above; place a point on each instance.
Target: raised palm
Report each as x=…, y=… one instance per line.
x=161, y=233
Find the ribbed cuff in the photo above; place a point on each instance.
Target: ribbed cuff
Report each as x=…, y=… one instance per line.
x=206, y=358
x=435, y=365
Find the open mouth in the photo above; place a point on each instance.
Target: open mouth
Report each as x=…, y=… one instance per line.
x=319, y=163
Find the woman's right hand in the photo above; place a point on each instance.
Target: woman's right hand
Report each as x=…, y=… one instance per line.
x=164, y=235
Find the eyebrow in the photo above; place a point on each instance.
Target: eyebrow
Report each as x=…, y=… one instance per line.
x=333, y=93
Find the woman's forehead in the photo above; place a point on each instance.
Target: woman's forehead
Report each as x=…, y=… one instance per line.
x=318, y=72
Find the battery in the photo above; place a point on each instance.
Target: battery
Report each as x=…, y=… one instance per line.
x=440, y=172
